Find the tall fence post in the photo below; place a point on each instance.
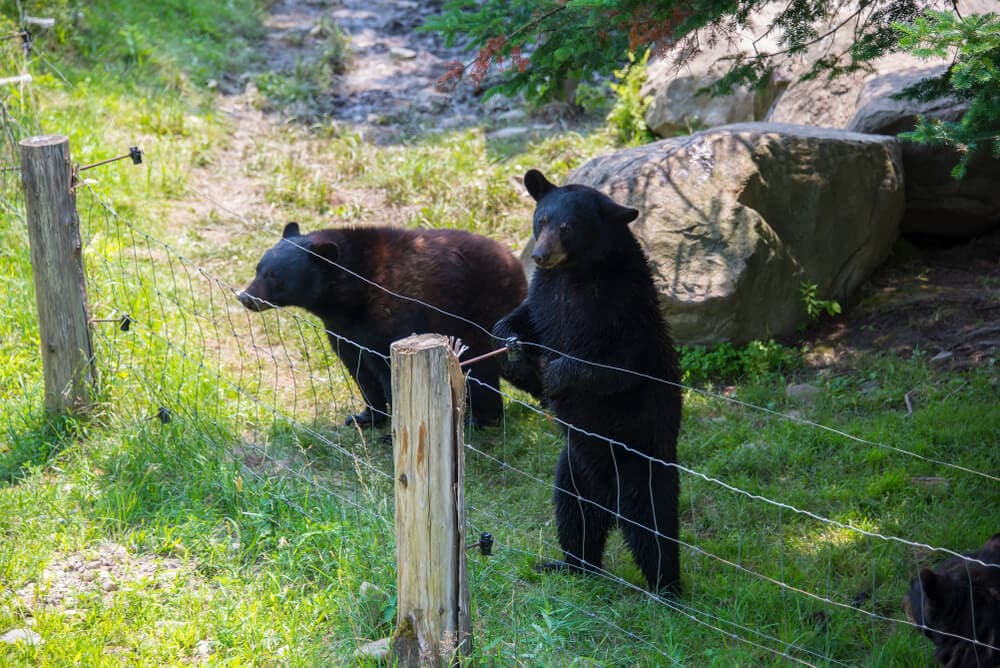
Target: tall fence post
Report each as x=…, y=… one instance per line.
x=57, y=265
x=428, y=400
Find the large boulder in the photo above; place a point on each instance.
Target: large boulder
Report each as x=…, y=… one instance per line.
x=937, y=204
x=676, y=75
x=735, y=219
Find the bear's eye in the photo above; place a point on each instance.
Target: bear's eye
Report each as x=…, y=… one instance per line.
x=565, y=230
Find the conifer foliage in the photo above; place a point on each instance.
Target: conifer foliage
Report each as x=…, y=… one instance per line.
x=541, y=45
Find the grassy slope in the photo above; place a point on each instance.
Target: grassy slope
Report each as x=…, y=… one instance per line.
x=251, y=485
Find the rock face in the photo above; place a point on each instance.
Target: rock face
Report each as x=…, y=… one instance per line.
x=937, y=204
x=735, y=219
x=675, y=77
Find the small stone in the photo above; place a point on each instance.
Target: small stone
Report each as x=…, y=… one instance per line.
x=512, y=115
x=803, y=392
x=942, y=357
x=26, y=636
x=204, y=649
x=377, y=649
x=402, y=53
x=515, y=132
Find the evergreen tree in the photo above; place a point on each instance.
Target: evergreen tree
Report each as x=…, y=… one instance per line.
x=543, y=44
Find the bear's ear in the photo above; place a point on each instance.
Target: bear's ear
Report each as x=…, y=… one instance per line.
x=291, y=230
x=617, y=213
x=993, y=543
x=930, y=584
x=328, y=250
x=538, y=186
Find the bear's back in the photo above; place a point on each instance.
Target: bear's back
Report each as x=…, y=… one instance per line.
x=455, y=272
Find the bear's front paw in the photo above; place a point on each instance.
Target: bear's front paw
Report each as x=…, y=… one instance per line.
x=367, y=418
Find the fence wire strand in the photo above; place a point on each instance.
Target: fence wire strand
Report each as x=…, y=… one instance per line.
x=181, y=291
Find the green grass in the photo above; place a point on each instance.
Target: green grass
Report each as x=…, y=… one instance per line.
x=264, y=516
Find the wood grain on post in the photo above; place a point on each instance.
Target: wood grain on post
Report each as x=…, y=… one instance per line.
x=428, y=399
x=57, y=264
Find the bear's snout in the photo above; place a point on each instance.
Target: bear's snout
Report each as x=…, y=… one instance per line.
x=548, y=252
x=251, y=302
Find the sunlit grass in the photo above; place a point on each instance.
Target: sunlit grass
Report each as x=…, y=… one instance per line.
x=216, y=447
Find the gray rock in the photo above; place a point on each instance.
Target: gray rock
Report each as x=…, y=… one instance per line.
x=942, y=357
x=674, y=79
x=513, y=132
x=402, y=53
x=936, y=204
x=377, y=650
x=734, y=219
x=26, y=636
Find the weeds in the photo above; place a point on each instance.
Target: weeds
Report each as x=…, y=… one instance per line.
x=627, y=115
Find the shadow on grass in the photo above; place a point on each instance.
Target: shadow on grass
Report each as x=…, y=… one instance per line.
x=34, y=442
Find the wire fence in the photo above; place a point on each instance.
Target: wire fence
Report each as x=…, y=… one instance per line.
x=173, y=344
x=278, y=367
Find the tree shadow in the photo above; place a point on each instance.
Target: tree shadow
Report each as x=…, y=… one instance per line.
x=35, y=441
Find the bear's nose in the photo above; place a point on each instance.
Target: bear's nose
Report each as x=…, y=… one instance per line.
x=249, y=301
x=540, y=257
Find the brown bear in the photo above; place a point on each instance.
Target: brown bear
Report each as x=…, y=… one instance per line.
x=373, y=285
x=591, y=325
x=957, y=606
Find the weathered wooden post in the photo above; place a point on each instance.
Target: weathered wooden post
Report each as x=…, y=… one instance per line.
x=57, y=264
x=428, y=399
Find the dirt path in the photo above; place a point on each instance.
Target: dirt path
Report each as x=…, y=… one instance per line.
x=387, y=93
x=390, y=83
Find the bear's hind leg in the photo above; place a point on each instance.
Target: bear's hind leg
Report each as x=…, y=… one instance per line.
x=655, y=549
x=376, y=402
x=582, y=524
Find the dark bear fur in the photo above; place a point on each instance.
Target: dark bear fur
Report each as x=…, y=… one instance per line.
x=592, y=298
x=960, y=598
x=460, y=273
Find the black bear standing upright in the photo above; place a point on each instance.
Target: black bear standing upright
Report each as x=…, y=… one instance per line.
x=445, y=281
x=958, y=603
x=592, y=309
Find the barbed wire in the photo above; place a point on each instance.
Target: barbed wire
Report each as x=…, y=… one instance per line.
x=168, y=291
x=713, y=395
x=696, y=549
x=175, y=259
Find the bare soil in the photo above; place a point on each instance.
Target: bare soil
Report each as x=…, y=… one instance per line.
x=943, y=302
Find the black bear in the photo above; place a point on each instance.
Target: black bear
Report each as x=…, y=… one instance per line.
x=373, y=285
x=957, y=606
x=592, y=325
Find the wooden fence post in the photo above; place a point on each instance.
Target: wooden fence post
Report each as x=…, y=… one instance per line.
x=57, y=264
x=428, y=400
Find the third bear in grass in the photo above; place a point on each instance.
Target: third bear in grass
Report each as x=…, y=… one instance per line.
x=609, y=370
x=957, y=606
